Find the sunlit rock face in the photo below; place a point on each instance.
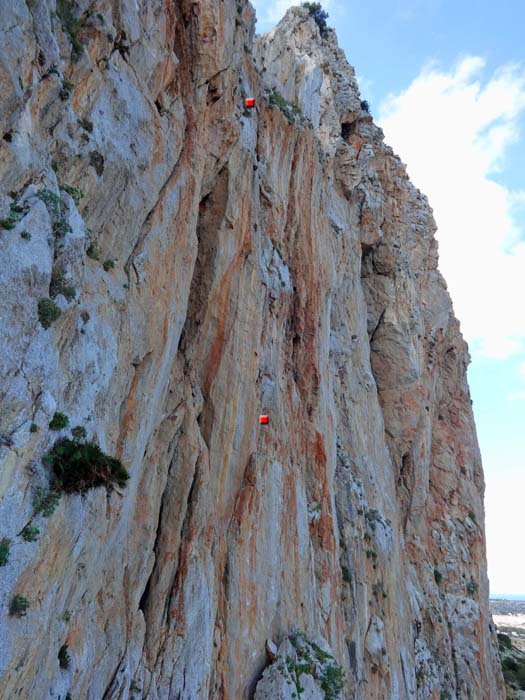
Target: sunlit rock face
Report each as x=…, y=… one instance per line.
x=210, y=264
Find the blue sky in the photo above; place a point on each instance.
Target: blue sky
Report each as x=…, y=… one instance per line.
x=446, y=81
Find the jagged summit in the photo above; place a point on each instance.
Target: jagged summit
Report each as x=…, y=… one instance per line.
x=173, y=267
x=309, y=71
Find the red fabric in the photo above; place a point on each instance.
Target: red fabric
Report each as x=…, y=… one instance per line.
x=250, y=102
x=263, y=420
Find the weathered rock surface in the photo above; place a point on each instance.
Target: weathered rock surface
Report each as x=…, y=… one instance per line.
x=226, y=264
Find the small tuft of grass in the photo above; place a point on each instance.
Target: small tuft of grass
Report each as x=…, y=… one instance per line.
x=290, y=111
x=71, y=25
x=48, y=312
x=108, y=265
x=86, y=124
x=51, y=200
x=45, y=502
x=79, y=432
x=61, y=227
x=75, y=192
x=59, y=421
x=30, y=534
x=438, y=576
x=15, y=214
x=64, y=659
x=93, y=251
x=472, y=587
x=33, y=428
x=332, y=681
x=19, y=606
x=79, y=466
x=5, y=546
x=347, y=576
x=25, y=235
x=8, y=223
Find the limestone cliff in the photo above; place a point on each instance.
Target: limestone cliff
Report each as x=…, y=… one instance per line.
x=172, y=266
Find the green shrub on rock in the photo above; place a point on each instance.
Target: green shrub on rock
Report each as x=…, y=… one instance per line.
x=59, y=421
x=45, y=502
x=48, y=312
x=79, y=466
x=5, y=546
x=30, y=534
x=64, y=659
x=19, y=606
x=319, y=15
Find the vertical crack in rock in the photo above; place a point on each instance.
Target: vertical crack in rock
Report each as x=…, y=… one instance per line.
x=212, y=208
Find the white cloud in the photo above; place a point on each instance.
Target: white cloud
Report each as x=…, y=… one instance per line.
x=504, y=507
x=521, y=369
x=454, y=130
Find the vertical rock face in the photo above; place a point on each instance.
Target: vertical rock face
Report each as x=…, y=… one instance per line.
x=211, y=264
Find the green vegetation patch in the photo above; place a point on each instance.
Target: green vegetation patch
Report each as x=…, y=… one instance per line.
x=51, y=200
x=16, y=212
x=5, y=546
x=79, y=465
x=319, y=15
x=347, y=576
x=45, y=502
x=48, y=312
x=64, y=659
x=472, y=587
x=59, y=421
x=512, y=663
x=19, y=606
x=290, y=111
x=61, y=227
x=93, y=251
x=314, y=661
x=30, y=534
x=86, y=124
x=75, y=192
x=72, y=22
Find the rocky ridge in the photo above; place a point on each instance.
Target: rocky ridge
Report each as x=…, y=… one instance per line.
x=173, y=266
